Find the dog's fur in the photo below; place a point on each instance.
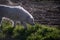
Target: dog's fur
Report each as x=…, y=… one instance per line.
x=16, y=13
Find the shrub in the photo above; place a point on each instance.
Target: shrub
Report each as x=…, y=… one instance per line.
x=36, y=32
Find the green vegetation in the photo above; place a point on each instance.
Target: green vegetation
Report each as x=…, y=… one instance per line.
x=36, y=32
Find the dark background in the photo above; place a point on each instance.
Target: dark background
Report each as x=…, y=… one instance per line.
x=43, y=11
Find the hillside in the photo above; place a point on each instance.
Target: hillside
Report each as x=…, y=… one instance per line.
x=36, y=32
x=46, y=14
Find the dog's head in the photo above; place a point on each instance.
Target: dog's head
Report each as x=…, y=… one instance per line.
x=30, y=20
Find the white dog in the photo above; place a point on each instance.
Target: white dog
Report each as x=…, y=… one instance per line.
x=16, y=13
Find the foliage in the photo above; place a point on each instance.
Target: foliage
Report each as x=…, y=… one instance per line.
x=36, y=32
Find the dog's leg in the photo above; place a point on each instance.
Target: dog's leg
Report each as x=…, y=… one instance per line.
x=24, y=24
x=0, y=24
x=12, y=23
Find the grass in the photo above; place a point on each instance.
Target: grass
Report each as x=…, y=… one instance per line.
x=36, y=32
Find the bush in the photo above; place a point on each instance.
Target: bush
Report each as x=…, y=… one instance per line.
x=36, y=32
